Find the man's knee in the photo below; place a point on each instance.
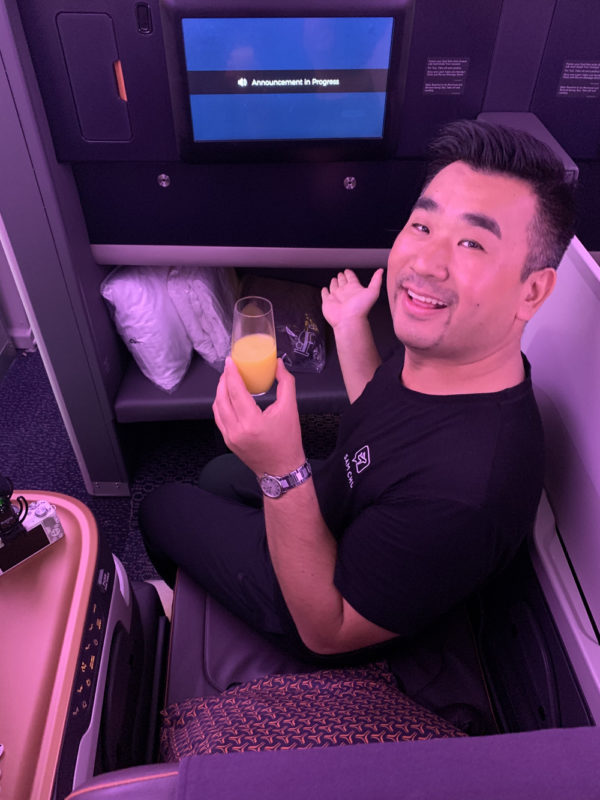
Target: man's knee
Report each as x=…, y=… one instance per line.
x=227, y=476
x=155, y=508
x=215, y=475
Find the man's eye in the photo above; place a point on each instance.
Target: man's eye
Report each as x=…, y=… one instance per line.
x=421, y=228
x=470, y=244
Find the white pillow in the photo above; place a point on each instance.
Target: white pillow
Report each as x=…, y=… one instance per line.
x=149, y=323
x=204, y=298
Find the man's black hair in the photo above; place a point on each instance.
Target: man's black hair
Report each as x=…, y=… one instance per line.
x=495, y=149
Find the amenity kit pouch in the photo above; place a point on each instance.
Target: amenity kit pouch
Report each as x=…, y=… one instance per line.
x=299, y=322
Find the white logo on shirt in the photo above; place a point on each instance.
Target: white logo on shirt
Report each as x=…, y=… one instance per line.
x=362, y=459
x=348, y=471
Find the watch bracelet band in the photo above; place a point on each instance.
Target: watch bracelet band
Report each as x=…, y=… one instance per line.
x=296, y=477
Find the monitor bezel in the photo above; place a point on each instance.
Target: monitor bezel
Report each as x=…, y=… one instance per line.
x=351, y=149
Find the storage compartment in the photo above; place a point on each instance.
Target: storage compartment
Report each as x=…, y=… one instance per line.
x=90, y=53
x=140, y=400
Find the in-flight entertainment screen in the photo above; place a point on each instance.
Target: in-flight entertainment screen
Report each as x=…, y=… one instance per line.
x=279, y=79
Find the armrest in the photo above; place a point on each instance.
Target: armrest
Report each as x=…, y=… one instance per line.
x=150, y=782
x=43, y=606
x=550, y=764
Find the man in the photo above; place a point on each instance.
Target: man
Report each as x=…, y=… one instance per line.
x=437, y=473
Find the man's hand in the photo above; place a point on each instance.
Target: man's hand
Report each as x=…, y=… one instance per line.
x=347, y=299
x=346, y=305
x=266, y=441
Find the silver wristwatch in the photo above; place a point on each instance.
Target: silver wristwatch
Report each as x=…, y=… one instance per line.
x=275, y=485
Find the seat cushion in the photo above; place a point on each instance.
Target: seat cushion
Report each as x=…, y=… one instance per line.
x=312, y=709
x=211, y=649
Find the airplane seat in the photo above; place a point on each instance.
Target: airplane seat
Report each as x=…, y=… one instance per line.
x=537, y=633
x=526, y=669
x=527, y=665
x=536, y=629
x=535, y=636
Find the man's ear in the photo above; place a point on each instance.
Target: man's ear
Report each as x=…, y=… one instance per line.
x=537, y=287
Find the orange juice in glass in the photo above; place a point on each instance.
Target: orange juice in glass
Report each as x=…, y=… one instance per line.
x=253, y=343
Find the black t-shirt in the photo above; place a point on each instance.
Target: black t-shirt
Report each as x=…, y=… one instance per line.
x=428, y=495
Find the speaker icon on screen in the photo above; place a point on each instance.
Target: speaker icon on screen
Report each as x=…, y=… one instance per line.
x=242, y=82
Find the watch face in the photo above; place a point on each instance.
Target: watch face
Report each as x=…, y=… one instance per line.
x=270, y=486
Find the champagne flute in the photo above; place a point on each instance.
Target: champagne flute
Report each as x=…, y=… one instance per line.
x=253, y=343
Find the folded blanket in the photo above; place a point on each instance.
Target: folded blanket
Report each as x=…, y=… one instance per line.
x=204, y=298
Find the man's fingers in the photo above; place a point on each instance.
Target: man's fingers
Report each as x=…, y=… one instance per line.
x=283, y=375
x=222, y=406
x=286, y=383
x=221, y=391
x=376, y=280
x=218, y=418
x=340, y=281
x=239, y=397
x=232, y=400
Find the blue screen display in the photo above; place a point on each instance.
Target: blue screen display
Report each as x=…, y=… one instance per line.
x=287, y=78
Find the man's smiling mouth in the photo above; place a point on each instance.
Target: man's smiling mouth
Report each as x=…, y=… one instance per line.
x=425, y=301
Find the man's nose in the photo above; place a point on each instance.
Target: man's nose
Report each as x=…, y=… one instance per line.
x=433, y=259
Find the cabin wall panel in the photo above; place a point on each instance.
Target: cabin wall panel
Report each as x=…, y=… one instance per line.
x=567, y=93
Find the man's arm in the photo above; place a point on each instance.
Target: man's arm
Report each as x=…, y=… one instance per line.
x=302, y=548
x=303, y=553
x=346, y=305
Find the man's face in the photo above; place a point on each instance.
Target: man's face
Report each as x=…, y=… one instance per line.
x=454, y=272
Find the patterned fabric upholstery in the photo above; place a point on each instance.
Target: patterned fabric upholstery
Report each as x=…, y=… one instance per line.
x=315, y=709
